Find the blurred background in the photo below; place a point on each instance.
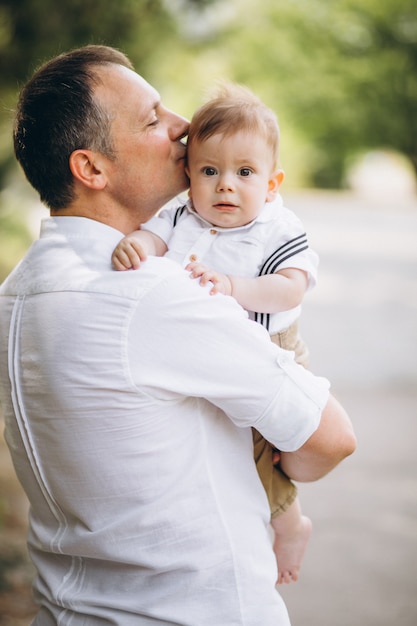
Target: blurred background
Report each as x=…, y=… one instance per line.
x=342, y=77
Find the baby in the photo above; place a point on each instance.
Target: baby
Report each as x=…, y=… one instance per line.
x=235, y=233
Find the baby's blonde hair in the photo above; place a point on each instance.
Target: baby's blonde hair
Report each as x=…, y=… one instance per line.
x=232, y=109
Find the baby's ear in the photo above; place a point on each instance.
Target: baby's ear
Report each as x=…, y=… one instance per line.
x=187, y=171
x=274, y=184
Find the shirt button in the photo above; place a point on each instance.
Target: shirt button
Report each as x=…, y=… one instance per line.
x=193, y=257
x=213, y=231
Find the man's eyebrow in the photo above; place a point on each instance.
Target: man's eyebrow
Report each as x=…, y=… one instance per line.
x=157, y=102
x=153, y=107
x=147, y=114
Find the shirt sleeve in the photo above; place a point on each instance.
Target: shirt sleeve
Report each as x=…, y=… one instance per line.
x=288, y=247
x=164, y=223
x=207, y=348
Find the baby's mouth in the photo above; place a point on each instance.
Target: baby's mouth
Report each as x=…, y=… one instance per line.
x=225, y=206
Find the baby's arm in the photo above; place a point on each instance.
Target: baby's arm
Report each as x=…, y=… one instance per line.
x=133, y=249
x=271, y=293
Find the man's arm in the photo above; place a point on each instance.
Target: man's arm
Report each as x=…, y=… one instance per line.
x=333, y=441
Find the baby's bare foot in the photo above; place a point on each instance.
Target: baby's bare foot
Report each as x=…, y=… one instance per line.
x=289, y=550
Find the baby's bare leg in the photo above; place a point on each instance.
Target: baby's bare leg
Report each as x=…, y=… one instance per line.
x=292, y=532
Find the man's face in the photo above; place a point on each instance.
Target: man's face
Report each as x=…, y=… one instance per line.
x=149, y=166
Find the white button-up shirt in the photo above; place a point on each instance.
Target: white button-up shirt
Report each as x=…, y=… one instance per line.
x=128, y=399
x=273, y=241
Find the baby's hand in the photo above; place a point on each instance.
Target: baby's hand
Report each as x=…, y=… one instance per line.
x=128, y=254
x=221, y=282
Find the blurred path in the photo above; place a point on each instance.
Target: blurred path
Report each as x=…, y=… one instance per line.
x=361, y=325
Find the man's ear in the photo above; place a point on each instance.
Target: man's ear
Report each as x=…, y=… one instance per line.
x=274, y=184
x=85, y=166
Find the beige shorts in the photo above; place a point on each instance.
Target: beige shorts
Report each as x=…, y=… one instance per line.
x=280, y=490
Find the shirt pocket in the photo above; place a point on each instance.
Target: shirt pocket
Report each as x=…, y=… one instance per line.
x=239, y=256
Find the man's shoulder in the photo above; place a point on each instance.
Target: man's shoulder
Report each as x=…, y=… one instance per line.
x=35, y=276
x=132, y=284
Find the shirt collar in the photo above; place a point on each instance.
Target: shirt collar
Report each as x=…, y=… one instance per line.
x=71, y=226
x=91, y=240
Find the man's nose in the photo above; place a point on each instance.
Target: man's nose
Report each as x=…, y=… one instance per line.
x=178, y=128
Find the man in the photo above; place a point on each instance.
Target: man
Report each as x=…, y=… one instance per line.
x=129, y=397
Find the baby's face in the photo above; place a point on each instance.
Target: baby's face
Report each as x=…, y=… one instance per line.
x=231, y=178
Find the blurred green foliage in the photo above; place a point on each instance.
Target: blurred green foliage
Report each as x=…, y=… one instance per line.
x=15, y=235
x=341, y=74
x=345, y=75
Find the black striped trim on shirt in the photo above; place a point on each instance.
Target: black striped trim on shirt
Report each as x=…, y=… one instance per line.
x=286, y=251
x=272, y=263
x=178, y=214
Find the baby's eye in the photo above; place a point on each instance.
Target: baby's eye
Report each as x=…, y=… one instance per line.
x=209, y=171
x=245, y=171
